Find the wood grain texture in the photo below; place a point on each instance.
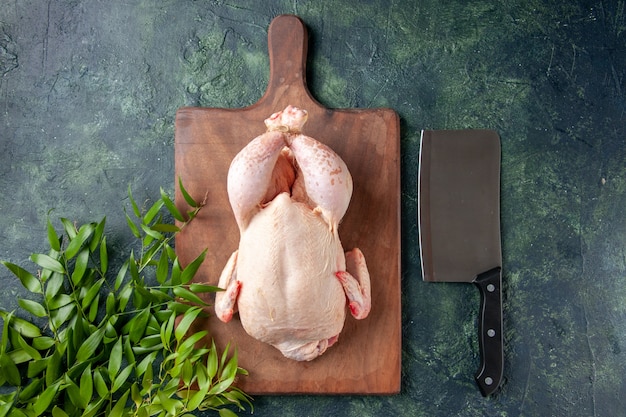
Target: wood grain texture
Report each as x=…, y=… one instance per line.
x=366, y=359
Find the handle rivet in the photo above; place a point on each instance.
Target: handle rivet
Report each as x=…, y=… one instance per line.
x=488, y=381
x=491, y=333
x=491, y=288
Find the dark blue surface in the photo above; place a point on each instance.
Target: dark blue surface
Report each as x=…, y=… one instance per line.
x=88, y=94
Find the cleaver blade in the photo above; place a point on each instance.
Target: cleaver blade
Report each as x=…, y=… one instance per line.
x=459, y=229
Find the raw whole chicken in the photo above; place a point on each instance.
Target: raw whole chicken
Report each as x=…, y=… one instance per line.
x=290, y=280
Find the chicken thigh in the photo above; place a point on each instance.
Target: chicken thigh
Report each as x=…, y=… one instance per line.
x=290, y=279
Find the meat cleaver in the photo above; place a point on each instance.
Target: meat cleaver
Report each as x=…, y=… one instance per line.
x=459, y=229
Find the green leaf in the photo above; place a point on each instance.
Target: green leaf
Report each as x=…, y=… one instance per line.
x=74, y=393
x=224, y=356
x=169, y=404
x=147, y=380
x=68, y=226
x=123, y=297
x=187, y=295
x=190, y=270
x=179, y=307
x=111, y=304
x=167, y=328
x=97, y=236
x=93, y=309
x=147, y=243
x=62, y=315
x=54, y=285
x=115, y=359
x=42, y=342
x=121, y=274
x=133, y=227
x=18, y=356
x=152, y=250
x=86, y=385
x=23, y=327
x=118, y=410
x=221, y=386
x=133, y=204
x=6, y=406
x=47, y=262
x=9, y=370
x=93, y=408
x=203, y=381
x=36, y=367
x=136, y=396
x=197, y=288
x=185, y=349
x=128, y=351
x=74, y=337
x=28, y=349
x=45, y=399
x=84, y=233
x=150, y=341
x=196, y=398
x=162, y=269
x=187, y=372
x=32, y=307
x=138, y=325
x=225, y=412
x=104, y=257
x=91, y=293
x=134, y=271
x=145, y=364
x=212, y=364
x=27, y=279
x=57, y=412
x=31, y=390
x=80, y=266
x=59, y=301
x=175, y=273
x=6, y=318
x=165, y=228
x=110, y=330
x=154, y=324
x=53, y=367
x=152, y=212
x=141, y=298
x=121, y=378
x=236, y=397
x=188, y=198
x=171, y=253
x=152, y=233
x=171, y=207
x=230, y=370
x=101, y=387
x=88, y=348
x=53, y=238
x=183, y=326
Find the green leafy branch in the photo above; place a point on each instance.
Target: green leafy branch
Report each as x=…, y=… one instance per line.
x=115, y=343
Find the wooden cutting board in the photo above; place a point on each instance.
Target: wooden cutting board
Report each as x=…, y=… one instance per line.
x=366, y=359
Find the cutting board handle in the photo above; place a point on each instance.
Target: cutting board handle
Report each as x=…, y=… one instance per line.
x=287, y=47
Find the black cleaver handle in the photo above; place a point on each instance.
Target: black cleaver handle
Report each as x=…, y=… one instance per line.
x=489, y=375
